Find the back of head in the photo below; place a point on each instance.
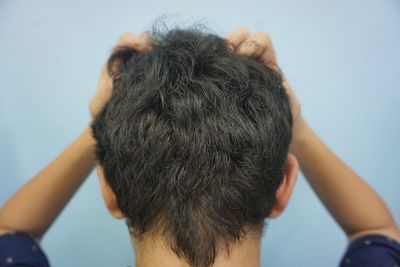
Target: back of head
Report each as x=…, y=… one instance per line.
x=194, y=142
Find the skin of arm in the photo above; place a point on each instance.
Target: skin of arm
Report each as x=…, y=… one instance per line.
x=34, y=207
x=38, y=203
x=355, y=206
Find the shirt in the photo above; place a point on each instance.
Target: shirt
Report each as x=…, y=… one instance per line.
x=372, y=251
x=19, y=249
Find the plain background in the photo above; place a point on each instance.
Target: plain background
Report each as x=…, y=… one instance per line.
x=342, y=57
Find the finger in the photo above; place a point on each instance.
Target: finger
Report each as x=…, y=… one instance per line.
x=144, y=42
x=141, y=43
x=126, y=39
x=250, y=48
x=268, y=56
x=262, y=37
x=256, y=45
x=237, y=37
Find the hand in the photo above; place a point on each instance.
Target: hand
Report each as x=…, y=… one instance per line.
x=259, y=46
x=142, y=44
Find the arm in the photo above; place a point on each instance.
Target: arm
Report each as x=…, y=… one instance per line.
x=37, y=204
x=355, y=206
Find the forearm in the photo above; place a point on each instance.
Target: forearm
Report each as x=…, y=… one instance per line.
x=38, y=203
x=353, y=204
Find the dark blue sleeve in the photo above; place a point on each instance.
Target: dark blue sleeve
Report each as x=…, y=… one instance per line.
x=372, y=251
x=19, y=249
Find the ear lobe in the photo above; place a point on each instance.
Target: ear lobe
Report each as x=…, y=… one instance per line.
x=285, y=189
x=108, y=195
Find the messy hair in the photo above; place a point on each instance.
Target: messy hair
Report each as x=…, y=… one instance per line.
x=193, y=141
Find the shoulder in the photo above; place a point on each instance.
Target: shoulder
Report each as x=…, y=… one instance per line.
x=20, y=249
x=372, y=250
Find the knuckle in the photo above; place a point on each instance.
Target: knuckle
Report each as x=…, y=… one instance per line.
x=126, y=38
x=262, y=36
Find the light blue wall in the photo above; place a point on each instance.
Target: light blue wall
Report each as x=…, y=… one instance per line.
x=342, y=57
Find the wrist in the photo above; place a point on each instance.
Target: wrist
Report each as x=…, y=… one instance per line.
x=299, y=133
x=87, y=137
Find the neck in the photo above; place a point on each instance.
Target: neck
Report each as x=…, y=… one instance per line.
x=155, y=253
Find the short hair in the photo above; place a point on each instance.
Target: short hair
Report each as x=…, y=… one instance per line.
x=193, y=141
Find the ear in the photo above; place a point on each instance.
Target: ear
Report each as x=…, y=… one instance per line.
x=108, y=195
x=285, y=189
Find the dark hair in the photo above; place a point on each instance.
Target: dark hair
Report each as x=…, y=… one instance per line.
x=194, y=141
